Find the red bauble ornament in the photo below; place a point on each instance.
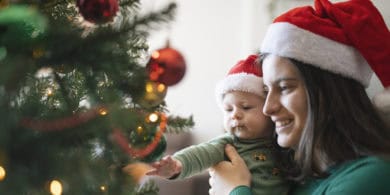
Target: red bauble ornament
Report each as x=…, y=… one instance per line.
x=166, y=66
x=98, y=11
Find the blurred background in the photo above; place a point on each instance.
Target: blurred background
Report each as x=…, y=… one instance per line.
x=213, y=35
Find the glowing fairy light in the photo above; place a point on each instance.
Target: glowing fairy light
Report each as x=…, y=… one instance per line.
x=2, y=173
x=103, y=188
x=155, y=54
x=153, y=117
x=160, y=87
x=103, y=111
x=149, y=87
x=49, y=91
x=55, y=187
x=140, y=129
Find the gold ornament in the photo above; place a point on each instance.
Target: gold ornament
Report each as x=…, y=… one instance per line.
x=154, y=94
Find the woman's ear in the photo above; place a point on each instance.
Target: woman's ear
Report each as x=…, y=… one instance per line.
x=382, y=103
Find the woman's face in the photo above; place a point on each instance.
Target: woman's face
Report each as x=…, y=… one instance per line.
x=286, y=101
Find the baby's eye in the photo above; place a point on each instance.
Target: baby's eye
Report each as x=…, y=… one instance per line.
x=246, y=107
x=228, y=109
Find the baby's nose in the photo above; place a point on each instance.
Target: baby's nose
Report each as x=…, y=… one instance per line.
x=237, y=115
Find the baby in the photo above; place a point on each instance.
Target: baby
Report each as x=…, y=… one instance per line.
x=240, y=95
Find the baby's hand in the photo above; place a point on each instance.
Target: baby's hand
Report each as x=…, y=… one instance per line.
x=167, y=167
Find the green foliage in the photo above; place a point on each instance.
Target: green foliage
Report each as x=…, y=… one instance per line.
x=64, y=86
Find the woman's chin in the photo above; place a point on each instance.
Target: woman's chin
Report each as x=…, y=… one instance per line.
x=283, y=141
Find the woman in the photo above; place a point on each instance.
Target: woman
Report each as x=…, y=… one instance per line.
x=316, y=63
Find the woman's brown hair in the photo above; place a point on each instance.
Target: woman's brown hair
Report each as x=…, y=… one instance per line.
x=342, y=123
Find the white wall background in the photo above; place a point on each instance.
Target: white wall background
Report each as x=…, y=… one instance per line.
x=213, y=35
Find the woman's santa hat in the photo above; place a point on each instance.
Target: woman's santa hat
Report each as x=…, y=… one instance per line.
x=348, y=38
x=245, y=76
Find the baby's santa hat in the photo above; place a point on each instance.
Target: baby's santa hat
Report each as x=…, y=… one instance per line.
x=348, y=38
x=245, y=76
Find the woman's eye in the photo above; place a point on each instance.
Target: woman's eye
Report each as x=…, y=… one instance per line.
x=283, y=88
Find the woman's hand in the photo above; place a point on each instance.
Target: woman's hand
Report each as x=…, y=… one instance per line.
x=225, y=176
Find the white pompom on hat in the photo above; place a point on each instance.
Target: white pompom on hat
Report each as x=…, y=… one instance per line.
x=348, y=38
x=245, y=76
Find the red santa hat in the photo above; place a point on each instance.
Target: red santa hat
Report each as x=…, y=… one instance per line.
x=245, y=76
x=348, y=38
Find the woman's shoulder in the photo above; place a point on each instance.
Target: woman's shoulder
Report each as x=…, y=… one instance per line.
x=367, y=166
x=241, y=190
x=369, y=175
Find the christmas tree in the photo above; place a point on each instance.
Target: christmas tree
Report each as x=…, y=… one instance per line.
x=80, y=98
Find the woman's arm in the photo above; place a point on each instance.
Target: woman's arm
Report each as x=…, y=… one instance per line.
x=230, y=177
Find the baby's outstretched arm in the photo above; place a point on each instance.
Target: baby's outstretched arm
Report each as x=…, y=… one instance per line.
x=167, y=167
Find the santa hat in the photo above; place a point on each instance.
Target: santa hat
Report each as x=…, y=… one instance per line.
x=245, y=76
x=348, y=38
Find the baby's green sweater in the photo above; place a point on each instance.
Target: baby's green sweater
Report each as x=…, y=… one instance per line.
x=257, y=154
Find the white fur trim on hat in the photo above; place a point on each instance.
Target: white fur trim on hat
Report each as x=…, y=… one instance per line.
x=287, y=40
x=239, y=82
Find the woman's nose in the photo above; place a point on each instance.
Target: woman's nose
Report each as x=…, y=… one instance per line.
x=271, y=104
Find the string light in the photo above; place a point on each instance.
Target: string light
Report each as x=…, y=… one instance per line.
x=49, y=91
x=55, y=187
x=2, y=173
x=103, y=188
x=149, y=87
x=140, y=129
x=103, y=111
x=153, y=117
x=160, y=87
x=155, y=54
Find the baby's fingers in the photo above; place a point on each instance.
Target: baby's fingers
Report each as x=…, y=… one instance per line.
x=152, y=172
x=156, y=165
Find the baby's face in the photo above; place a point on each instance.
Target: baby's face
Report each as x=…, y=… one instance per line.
x=243, y=115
